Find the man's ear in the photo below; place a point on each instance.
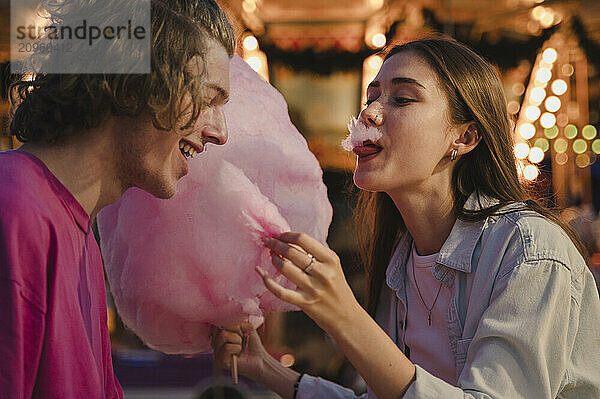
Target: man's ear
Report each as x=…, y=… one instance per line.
x=468, y=139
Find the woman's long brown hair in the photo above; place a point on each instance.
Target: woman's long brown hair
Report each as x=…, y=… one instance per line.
x=474, y=94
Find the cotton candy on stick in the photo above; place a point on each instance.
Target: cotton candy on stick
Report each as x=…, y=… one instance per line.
x=265, y=144
x=178, y=266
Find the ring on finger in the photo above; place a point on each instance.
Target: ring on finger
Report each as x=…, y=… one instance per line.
x=310, y=264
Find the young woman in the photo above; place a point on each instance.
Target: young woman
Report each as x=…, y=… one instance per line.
x=474, y=289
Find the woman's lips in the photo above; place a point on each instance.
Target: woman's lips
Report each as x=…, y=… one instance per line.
x=366, y=149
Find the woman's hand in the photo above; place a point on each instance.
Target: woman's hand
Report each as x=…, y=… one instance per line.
x=253, y=361
x=322, y=291
x=241, y=341
x=325, y=296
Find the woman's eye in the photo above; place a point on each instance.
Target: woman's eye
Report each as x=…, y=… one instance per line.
x=403, y=100
x=369, y=101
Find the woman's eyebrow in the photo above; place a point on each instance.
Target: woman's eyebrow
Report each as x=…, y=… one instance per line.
x=397, y=81
x=401, y=80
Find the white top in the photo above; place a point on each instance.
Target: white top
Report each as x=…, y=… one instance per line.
x=429, y=344
x=523, y=319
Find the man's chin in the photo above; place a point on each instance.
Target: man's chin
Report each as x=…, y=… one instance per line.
x=164, y=195
x=163, y=190
x=166, y=192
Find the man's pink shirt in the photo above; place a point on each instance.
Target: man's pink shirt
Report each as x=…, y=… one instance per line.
x=54, y=340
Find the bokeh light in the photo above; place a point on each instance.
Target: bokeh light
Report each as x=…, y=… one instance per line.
x=538, y=12
x=513, y=107
x=596, y=146
x=543, y=75
x=254, y=62
x=536, y=155
x=378, y=40
x=543, y=144
x=250, y=43
x=579, y=146
x=530, y=172
x=567, y=70
x=287, y=360
x=560, y=145
x=559, y=87
x=582, y=160
x=547, y=120
x=551, y=133
x=548, y=18
x=552, y=104
x=561, y=158
x=532, y=113
x=562, y=119
x=375, y=62
x=537, y=95
x=549, y=55
x=570, y=131
x=527, y=131
x=518, y=88
x=588, y=132
x=521, y=150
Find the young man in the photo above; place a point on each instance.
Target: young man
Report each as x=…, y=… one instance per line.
x=88, y=138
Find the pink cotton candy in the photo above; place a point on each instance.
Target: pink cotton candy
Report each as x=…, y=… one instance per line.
x=176, y=267
x=359, y=133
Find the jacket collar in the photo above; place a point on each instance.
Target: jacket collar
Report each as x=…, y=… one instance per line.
x=457, y=251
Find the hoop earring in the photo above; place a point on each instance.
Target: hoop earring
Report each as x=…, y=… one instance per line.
x=453, y=155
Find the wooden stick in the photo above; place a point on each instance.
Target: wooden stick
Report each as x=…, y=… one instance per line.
x=234, y=370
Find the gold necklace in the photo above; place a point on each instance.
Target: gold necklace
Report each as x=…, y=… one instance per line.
x=420, y=296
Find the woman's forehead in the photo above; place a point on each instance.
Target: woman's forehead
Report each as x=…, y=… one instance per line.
x=407, y=65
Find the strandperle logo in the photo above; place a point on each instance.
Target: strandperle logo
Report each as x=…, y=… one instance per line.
x=84, y=31
x=80, y=36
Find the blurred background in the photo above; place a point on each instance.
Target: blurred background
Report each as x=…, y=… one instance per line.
x=321, y=54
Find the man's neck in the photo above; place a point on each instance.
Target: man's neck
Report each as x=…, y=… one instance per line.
x=85, y=166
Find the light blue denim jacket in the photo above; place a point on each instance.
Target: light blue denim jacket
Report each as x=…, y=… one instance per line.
x=524, y=318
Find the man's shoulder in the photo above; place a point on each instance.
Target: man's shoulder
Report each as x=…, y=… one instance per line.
x=25, y=194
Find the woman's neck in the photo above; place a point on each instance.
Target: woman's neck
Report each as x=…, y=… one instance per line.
x=428, y=215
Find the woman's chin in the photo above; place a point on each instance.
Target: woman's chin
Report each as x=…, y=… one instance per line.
x=362, y=181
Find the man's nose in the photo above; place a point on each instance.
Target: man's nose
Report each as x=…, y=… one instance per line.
x=372, y=115
x=215, y=130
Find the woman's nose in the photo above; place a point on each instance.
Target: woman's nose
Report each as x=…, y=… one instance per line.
x=372, y=115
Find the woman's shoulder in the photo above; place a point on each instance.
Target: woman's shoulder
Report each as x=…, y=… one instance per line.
x=531, y=237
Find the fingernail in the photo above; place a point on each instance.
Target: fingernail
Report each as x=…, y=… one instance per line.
x=267, y=241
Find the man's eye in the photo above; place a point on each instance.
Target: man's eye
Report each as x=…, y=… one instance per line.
x=209, y=102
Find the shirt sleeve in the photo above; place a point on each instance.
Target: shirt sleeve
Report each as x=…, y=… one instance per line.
x=21, y=335
x=317, y=388
x=23, y=264
x=522, y=345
